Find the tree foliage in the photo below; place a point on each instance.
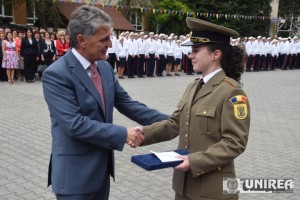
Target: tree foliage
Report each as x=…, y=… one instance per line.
x=287, y=7
x=245, y=27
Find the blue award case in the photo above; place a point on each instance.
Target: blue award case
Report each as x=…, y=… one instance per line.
x=150, y=162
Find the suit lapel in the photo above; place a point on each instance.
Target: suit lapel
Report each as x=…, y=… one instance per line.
x=83, y=77
x=207, y=88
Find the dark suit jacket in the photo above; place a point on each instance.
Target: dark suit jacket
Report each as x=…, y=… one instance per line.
x=210, y=127
x=28, y=49
x=83, y=136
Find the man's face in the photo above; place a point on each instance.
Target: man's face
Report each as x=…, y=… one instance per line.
x=96, y=46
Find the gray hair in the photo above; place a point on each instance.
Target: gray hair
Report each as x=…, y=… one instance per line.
x=86, y=20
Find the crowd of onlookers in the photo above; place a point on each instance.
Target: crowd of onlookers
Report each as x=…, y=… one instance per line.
x=135, y=54
x=23, y=51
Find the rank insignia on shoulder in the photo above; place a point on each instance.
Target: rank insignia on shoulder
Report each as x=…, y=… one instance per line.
x=240, y=106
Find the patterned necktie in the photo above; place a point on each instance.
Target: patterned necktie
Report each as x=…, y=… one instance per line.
x=96, y=78
x=199, y=86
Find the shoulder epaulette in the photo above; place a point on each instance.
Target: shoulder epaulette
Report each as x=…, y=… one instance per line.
x=231, y=82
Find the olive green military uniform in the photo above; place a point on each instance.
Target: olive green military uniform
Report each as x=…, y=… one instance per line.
x=214, y=128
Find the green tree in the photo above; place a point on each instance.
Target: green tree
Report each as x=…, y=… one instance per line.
x=252, y=27
x=287, y=7
x=169, y=17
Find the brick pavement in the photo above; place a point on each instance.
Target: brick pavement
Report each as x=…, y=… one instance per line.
x=272, y=152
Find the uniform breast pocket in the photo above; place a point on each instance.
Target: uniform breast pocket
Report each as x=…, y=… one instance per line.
x=205, y=119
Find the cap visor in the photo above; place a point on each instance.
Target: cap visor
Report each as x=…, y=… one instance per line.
x=189, y=43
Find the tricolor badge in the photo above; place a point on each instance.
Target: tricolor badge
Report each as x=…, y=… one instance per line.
x=240, y=106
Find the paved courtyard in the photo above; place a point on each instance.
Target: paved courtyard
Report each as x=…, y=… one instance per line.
x=273, y=149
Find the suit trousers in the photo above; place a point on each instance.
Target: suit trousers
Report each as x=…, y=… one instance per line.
x=101, y=194
x=29, y=67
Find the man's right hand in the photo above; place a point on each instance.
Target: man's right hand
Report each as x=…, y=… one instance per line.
x=135, y=136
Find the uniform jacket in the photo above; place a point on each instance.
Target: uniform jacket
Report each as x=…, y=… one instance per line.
x=210, y=130
x=83, y=136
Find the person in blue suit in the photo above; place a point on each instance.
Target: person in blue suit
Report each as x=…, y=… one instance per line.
x=83, y=134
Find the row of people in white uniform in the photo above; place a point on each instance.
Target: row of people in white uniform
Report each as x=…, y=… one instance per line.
x=140, y=53
x=269, y=54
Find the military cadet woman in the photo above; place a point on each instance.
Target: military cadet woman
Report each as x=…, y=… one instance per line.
x=212, y=122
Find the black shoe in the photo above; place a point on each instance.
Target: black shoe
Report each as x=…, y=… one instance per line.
x=177, y=74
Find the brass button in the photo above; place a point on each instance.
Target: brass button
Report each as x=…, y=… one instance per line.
x=202, y=172
x=188, y=112
x=186, y=147
x=204, y=112
x=186, y=135
x=219, y=168
x=198, y=174
x=187, y=123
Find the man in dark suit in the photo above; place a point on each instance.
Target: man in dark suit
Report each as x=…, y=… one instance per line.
x=81, y=92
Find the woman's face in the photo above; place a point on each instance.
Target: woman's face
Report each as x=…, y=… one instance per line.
x=9, y=36
x=47, y=35
x=202, y=58
x=29, y=33
x=52, y=37
x=15, y=33
x=62, y=36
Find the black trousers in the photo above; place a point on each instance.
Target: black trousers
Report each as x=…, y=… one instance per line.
x=131, y=65
x=298, y=61
x=268, y=61
x=293, y=61
x=274, y=63
x=256, y=62
x=249, y=65
x=262, y=62
x=189, y=66
x=161, y=64
x=112, y=58
x=141, y=65
x=151, y=64
x=29, y=67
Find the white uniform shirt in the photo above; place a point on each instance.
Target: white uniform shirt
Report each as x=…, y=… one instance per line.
x=151, y=45
x=249, y=48
x=122, y=50
x=160, y=47
x=132, y=46
x=169, y=48
x=142, y=47
x=114, y=43
x=275, y=50
x=177, y=51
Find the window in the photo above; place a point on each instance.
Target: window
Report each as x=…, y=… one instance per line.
x=6, y=9
x=135, y=19
x=30, y=12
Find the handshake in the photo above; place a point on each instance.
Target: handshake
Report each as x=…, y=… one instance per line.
x=135, y=136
